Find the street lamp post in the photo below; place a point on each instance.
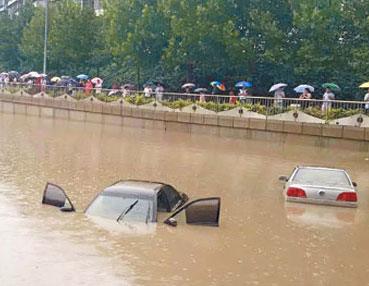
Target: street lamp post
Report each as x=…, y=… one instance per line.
x=46, y=30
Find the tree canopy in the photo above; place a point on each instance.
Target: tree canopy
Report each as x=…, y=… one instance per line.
x=265, y=41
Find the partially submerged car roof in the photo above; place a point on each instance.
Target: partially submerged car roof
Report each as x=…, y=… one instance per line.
x=320, y=168
x=147, y=188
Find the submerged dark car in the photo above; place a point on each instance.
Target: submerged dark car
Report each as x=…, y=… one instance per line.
x=140, y=201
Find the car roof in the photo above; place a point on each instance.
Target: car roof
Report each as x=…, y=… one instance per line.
x=139, y=187
x=320, y=168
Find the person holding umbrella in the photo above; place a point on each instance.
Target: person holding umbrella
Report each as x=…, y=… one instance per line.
x=89, y=86
x=159, y=90
x=232, y=97
x=243, y=93
x=327, y=97
x=306, y=94
x=366, y=96
x=279, y=94
x=366, y=99
x=147, y=91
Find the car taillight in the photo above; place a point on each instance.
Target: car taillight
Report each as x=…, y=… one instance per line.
x=347, y=197
x=296, y=192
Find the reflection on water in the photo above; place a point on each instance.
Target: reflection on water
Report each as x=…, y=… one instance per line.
x=260, y=241
x=320, y=216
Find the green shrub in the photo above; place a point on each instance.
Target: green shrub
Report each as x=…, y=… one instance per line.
x=178, y=104
x=138, y=100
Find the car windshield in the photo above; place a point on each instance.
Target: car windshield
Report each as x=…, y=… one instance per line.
x=124, y=208
x=321, y=177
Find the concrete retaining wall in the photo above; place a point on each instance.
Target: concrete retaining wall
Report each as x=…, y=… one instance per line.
x=106, y=113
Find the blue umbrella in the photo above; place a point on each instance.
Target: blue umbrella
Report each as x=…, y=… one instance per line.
x=244, y=84
x=82, y=76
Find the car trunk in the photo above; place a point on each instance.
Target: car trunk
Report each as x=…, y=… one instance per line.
x=323, y=192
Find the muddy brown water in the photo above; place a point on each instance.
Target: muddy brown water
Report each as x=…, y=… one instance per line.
x=261, y=239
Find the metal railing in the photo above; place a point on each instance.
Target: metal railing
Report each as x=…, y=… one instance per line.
x=218, y=103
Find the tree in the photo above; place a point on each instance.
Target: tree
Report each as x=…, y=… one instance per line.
x=32, y=43
x=11, y=30
x=73, y=38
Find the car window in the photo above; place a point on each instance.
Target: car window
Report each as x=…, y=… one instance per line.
x=162, y=202
x=321, y=177
x=202, y=211
x=113, y=207
x=172, y=195
x=56, y=196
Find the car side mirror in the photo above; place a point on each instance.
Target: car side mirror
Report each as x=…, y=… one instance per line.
x=354, y=184
x=283, y=178
x=172, y=222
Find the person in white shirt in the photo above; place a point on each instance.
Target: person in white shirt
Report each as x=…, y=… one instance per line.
x=278, y=96
x=159, y=92
x=6, y=81
x=366, y=99
x=147, y=91
x=98, y=86
x=243, y=94
x=327, y=97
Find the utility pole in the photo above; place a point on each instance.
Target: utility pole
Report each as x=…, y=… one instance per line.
x=46, y=31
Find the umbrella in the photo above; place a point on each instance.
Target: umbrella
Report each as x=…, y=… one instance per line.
x=65, y=77
x=277, y=86
x=33, y=74
x=301, y=88
x=14, y=73
x=4, y=74
x=332, y=86
x=24, y=76
x=365, y=85
x=188, y=85
x=112, y=92
x=82, y=76
x=129, y=86
x=66, y=82
x=96, y=80
x=201, y=89
x=55, y=79
x=244, y=84
x=149, y=83
x=218, y=85
x=158, y=82
x=43, y=75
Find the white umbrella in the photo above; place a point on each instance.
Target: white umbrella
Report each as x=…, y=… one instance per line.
x=4, y=73
x=97, y=80
x=34, y=74
x=112, y=92
x=188, y=85
x=277, y=86
x=24, y=76
x=301, y=88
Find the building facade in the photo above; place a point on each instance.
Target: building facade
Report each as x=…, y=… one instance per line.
x=12, y=6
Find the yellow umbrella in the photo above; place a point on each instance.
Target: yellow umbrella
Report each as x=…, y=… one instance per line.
x=365, y=85
x=55, y=79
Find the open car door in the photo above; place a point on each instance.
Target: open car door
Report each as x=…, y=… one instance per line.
x=55, y=196
x=199, y=212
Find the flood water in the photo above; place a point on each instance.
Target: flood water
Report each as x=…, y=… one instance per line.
x=261, y=239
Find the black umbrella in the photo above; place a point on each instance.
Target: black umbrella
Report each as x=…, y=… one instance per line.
x=129, y=86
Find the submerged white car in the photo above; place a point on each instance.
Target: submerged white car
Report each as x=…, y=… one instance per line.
x=323, y=186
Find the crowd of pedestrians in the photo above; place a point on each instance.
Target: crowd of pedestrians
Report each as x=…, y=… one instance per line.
x=240, y=93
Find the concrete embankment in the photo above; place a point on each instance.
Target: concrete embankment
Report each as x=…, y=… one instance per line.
x=158, y=117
